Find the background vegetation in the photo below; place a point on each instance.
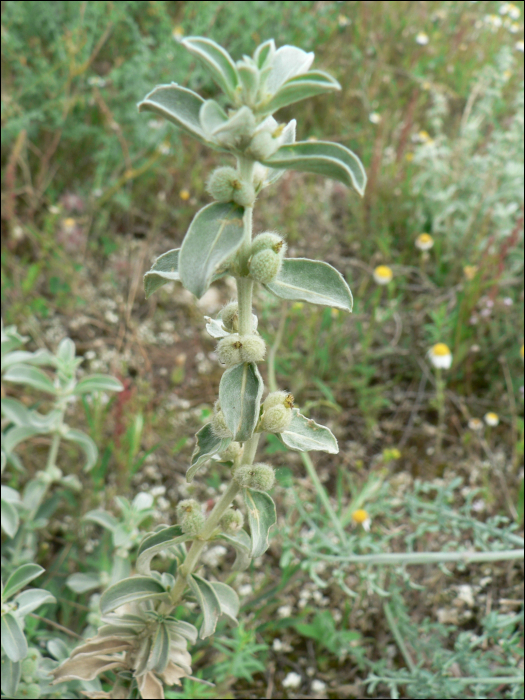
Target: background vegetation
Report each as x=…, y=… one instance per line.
x=92, y=192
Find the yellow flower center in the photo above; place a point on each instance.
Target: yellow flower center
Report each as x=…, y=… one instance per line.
x=384, y=272
x=440, y=350
x=360, y=516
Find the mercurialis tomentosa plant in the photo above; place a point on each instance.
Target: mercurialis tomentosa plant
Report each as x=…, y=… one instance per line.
x=142, y=641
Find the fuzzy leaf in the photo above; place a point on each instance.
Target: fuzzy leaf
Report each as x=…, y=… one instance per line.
x=97, y=382
x=87, y=444
x=20, y=578
x=218, y=62
x=207, y=445
x=228, y=600
x=209, y=603
x=305, y=434
x=81, y=583
x=329, y=159
x=31, y=599
x=130, y=590
x=165, y=269
x=240, y=393
x=300, y=88
x=17, y=435
x=85, y=667
x=158, y=542
x=311, y=280
x=214, y=235
x=11, y=672
x=24, y=374
x=10, y=519
x=211, y=116
x=241, y=542
x=160, y=650
x=262, y=516
x=106, y=520
x=177, y=104
x=288, y=62
x=13, y=639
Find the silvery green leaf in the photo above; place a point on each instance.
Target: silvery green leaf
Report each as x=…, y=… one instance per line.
x=165, y=269
x=300, y=88
x=249, y=76
x=217, y=330
x=40, y=357
x=288, y=61
x=305, y=434
x=286, y=138
x=86, y=443
x=218, y=62
x=24, y=374
x=160, y=649
x=106, y=520
x=207, y=445
x=97, y=382
x=131, y=590
x=58, y=649
x=241, y=542
x=34, y=491
x=20, y=578
x=209, y=604
x=211, y=116
x=237, y=130
x=81, y=583
x=15, y=411
x=142, y=501
x=214, y=235
x=264, y=53
x=157, y=542
x=262, y=516
x=314, y=281
x=228, y=600
x=15, y=436
x=10, y=495
x=13, y=639
x=184, y=629
x=322, y=157
x=10, y=519
x=177, y=104
x=66, y=351
x=240, y=393
x=11, y=672
x=30, y=600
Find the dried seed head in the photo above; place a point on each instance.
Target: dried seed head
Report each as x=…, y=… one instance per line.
x=268, y=240
x=233, y=450
x=229, y=350
x=276, y=419
x=190, y=516
x=265, y=265
x=232, y=521
x=278, y=398
x=259, y=477
x=230, y=316
x=253, y=348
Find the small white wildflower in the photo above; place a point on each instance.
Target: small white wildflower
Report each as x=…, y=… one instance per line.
x=494, y=21
x=476, y=425
x=491, y=419
x=383, y=275
x=284, y=611
x=422, y=38
x=375, y=118
x=514, y=11
x=245, y=589
x=318, y=686
x=293, y=680
x=424, y=241
x=519, y=46
x=277, y=644
x=440, y=356
x=343, y=21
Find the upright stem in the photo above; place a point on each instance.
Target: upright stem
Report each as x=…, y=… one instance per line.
x=440, y=400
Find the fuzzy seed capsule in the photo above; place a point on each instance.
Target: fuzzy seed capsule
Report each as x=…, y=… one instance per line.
x=268, y=240
x=190, y=516
x=221, y=183
x=259, y=477
x=253, y=348
x=278, y=398
x=265, y=265
x=229, y=350
x=230, y=316
x=244, y=194
x=276, y=419
x=218, y=423
x=232, y=521
x=233, y=450
x=263, y=145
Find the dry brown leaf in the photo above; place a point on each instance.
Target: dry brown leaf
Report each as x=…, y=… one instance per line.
x=172, y=674
x=104, y=645
x=84, y=667
x=150, y=687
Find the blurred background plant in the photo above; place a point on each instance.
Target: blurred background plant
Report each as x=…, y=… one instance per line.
x=432, y=101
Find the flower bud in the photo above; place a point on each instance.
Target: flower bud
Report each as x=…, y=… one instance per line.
x=276, y=419
x=265, y=265
x=221, y=183
x=230, y=316
x=190, y=516
x=232, y=521
x=233, y=450
x=218, y=423
x=244, y=194
x=229, y=350
x=259, y=477
x=29, y=669
x=278, y=398
x=268, y=240
x=263, y=145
